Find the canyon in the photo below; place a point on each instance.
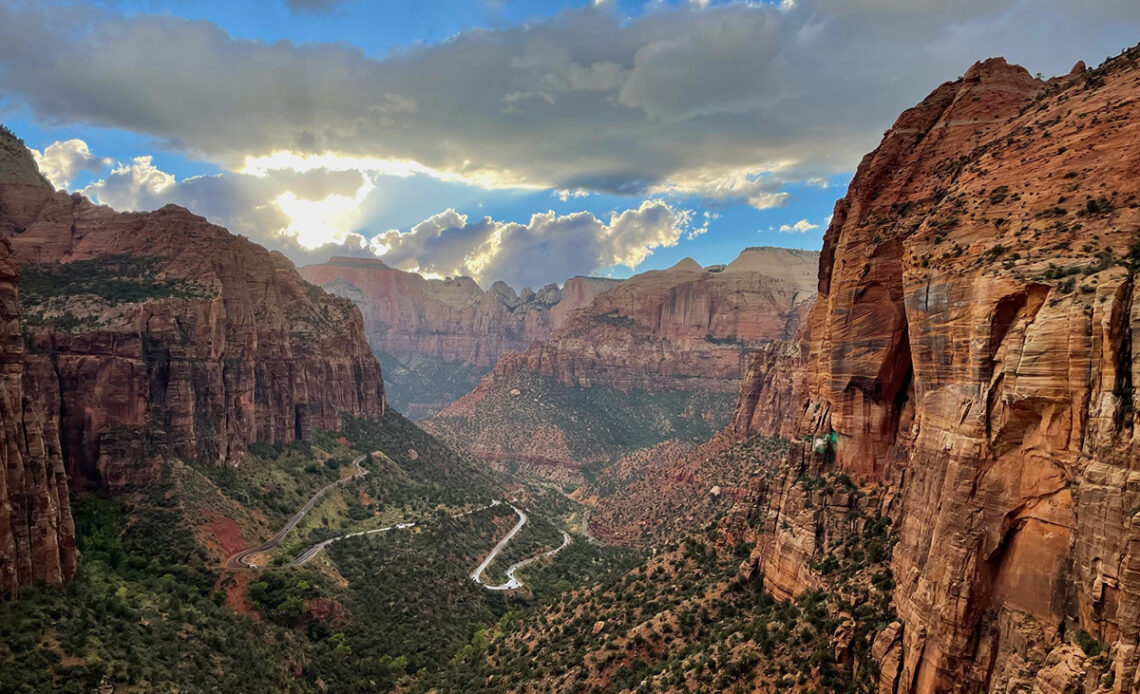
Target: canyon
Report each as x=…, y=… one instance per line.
x=652, y=358
x=436, y=338
x=129, y=337
x=937, y=412
x=969, y=365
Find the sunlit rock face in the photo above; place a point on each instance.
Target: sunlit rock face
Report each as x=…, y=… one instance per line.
x=973, y=347
x=686, y=331
x=678, y=328
x=181, y=338
x=450, y=332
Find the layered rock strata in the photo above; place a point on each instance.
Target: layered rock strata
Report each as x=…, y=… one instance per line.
x=687, y=330
x=442, y=335
x=160, y=333
x=973, y=351
x=37, y=536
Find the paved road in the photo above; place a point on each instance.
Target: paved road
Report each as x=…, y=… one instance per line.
x=512, y=581
x=477, y=574
x=238, y=561
x=306, y=556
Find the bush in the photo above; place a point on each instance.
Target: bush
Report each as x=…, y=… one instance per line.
x=1087, y=643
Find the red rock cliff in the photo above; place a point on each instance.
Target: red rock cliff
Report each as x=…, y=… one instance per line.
x=974, y=348
x=683, y=328
x=454, y=319
x=232, y=346
x=652, y=358
x=439, y=337
x=37, y=537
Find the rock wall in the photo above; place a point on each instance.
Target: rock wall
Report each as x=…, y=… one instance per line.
x=773, y=392
x=454, y=319
x=37, y=537
x=662, y=351
x=230, y=347
x=973, y=349
x=684, y=328
x=443, y=335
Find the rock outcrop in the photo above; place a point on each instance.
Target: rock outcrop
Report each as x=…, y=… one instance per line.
x=687, y=331
x=971, y=366
x=683, y=328
x=445, y=333
x=37, y=537
x=773, y=391
x=159, y=333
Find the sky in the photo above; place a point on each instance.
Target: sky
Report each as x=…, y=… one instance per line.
x=513, y=140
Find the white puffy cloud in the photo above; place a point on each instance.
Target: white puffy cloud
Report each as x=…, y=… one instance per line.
x=588, y=99
x=61, y=160
x=801, y=227
x=316, y=212
x=547, y=247
x=292, y=211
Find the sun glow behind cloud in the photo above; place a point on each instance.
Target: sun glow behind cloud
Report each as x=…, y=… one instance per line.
x=378, y=166
x=314, y=223
x=739, y=111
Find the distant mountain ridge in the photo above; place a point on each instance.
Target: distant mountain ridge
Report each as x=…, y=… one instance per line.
x=437, y=337
x=682, y=335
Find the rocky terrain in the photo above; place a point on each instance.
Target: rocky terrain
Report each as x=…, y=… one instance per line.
x=928, y=484
x=436, y=338
x=972, y=349
x=967, y=375
x=970, y=370
x=37, y=537
x=155, y=333
x=664, y=349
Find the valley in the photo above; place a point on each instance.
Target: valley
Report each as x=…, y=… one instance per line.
x=906, y=463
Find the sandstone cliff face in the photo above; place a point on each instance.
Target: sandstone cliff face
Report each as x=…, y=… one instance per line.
x=973, y=348
x=37, y=537
x=421, y=322
x=678, y=329
x=663, y=348
x=773, y=390
x=159, y=332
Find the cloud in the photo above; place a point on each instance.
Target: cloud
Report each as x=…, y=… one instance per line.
x=801, y=227
x=315, y=213
x=757, y=188
x=547, y=247
x=286, y=210
x=724, y=101
x=60, y=161
x=565, y=195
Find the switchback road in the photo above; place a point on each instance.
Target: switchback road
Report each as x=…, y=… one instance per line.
x=512, y=581
x=239, y=560
x=304, y=557
x=477, y=574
